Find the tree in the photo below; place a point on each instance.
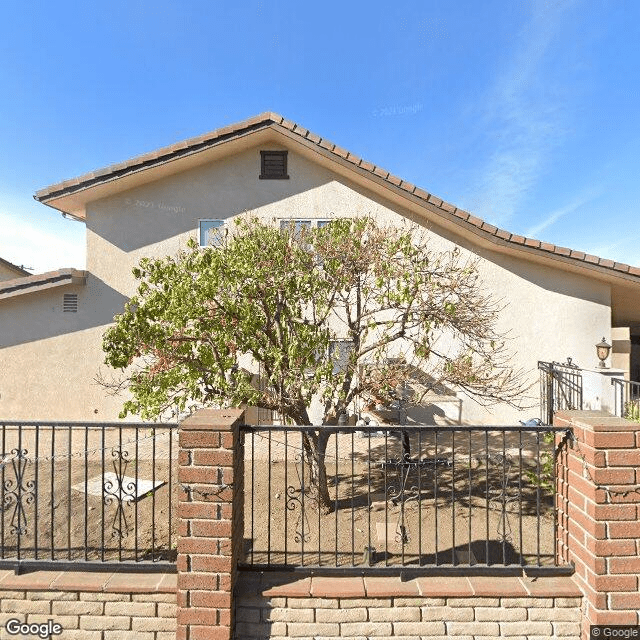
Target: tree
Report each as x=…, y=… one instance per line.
x=203, y=321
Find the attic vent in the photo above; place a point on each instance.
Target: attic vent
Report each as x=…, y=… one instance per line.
x=70, y=302
x=273, y=165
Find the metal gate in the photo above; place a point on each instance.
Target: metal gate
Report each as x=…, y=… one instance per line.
x=560, y=388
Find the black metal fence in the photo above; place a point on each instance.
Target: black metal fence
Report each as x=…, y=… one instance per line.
x=626, y=398
x=87, y=495
x=560, y=388
x=400, y=498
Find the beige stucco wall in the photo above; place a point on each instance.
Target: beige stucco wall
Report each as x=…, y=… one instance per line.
x=551, y=314
x=7, y=273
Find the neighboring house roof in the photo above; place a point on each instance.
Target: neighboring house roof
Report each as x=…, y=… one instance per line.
x=41, y=281
x=71, y=196
x=19, y=271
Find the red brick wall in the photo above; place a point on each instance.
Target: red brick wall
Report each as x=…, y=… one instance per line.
x=598, y=504
x=209, y=511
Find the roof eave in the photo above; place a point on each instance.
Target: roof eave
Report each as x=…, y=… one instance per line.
x=41, y=282
x=66, y=196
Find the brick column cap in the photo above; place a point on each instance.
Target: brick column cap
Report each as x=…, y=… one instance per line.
x=214, y=420
x=594, y=421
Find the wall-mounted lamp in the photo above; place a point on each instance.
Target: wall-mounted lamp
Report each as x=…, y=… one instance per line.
x=603, y=349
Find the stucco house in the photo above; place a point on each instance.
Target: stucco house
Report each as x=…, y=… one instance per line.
x=10, y=271
x=560, y=302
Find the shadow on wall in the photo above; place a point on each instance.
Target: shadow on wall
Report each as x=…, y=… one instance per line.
x=168, y=208
x=40, y=315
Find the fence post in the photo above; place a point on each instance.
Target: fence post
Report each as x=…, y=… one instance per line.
x=210, y=522
x=598, y=503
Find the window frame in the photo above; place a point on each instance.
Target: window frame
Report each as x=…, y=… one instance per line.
x=220, y=226
x=314, y=223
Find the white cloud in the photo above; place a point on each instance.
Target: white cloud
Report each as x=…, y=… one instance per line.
x=44, y=246
x=554, y=216
x=526, y=120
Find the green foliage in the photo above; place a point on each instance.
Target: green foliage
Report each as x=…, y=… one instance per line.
x=632, y=410
x=196, y=314
x=204, y=322
x=546, y=478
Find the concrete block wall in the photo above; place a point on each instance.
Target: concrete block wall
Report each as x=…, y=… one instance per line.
x=102, y=605
x=275, y=607
x=598, y=498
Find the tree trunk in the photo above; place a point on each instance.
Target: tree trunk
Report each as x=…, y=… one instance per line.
x=315, y=449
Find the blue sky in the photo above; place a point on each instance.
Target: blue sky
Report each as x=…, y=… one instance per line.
x=523, y=112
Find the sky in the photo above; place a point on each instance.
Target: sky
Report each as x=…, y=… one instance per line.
x=524, y=112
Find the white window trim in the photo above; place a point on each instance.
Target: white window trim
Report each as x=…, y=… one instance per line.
x=314, y=221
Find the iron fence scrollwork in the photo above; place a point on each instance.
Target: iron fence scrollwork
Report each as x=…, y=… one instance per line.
x=17, y=492
x=66, y=499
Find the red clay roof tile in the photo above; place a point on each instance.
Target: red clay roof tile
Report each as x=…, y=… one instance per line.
x=447, y=207
x=474, y=221
x=312, y=137
x=379, y=171
x=270, y=118
x=343, y=153
x=327, y=144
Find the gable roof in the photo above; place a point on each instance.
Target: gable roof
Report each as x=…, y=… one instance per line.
x=41, y=281
x=19, y=271
x=69, y=196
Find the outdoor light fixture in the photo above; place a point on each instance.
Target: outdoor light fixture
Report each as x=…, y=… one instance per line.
x=603, y=349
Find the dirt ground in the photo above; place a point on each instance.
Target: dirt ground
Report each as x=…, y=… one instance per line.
x=47, y=514
x=477, y=505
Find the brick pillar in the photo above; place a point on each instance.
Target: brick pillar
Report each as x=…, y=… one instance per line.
x=598, y=504
x=210, y=522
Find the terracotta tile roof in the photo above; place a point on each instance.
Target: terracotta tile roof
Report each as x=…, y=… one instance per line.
x=40, y=281
x=277, y=122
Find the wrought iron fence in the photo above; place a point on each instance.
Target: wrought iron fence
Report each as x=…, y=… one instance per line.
x=87, y=494
x=560, y=388
x=401, y=498
x=626, y=398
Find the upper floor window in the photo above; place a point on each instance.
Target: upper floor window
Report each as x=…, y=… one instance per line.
x=211, y=233
x=273, y=165
x=297, y=225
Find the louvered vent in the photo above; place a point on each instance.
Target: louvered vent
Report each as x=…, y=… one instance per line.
x=273, y=165
x=70, y=302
